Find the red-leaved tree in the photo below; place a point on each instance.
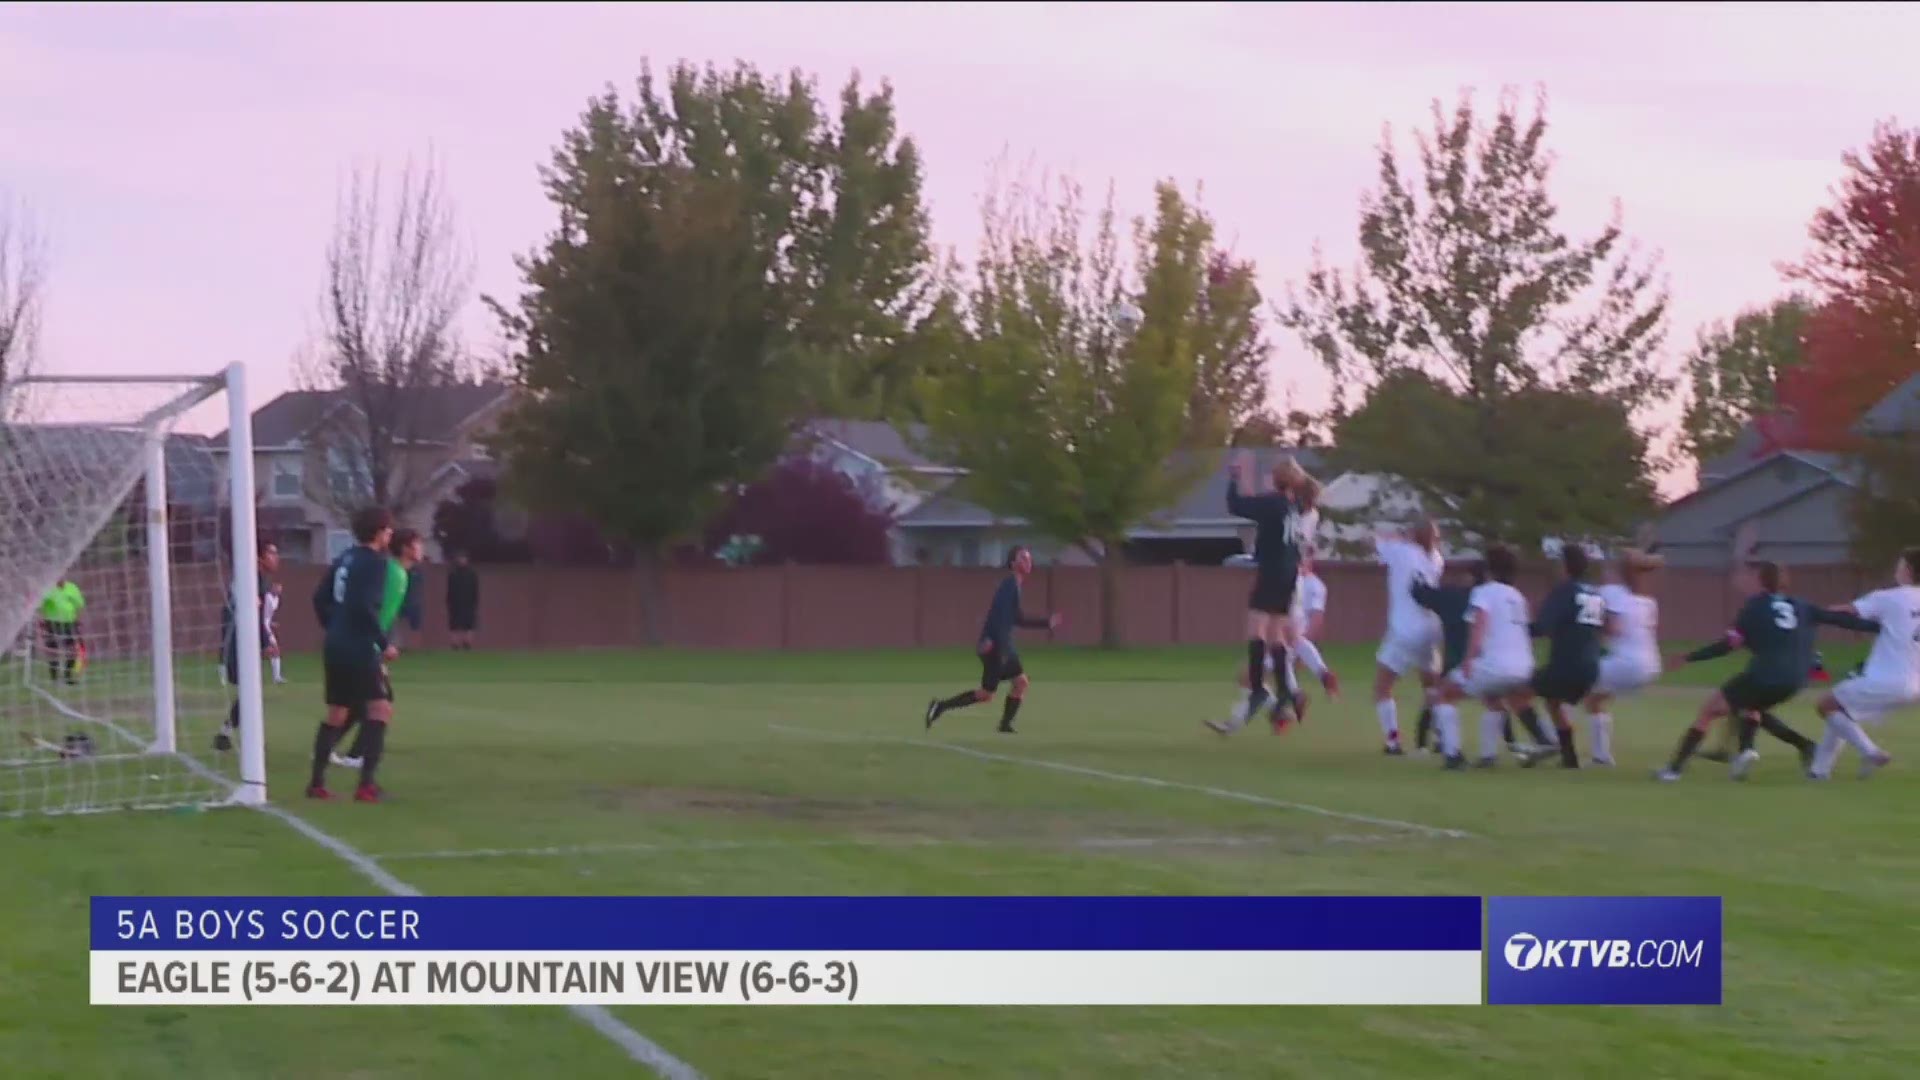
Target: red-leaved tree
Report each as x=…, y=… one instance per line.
x=1864, y=340
x=804, y=511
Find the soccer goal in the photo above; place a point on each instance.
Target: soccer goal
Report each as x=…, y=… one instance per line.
x=127, y=550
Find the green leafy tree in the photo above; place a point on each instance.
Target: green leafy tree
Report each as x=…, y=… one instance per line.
x=1232, y=354
x=1468, y=281
x=646, y=346
x=833, y=196
x=1073, y=378
x=1735, y=373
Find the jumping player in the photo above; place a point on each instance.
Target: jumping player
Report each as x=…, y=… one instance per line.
x=1778, y=631
x=1573, y=619
x=1278, y=537
x=356, y=652
x=1308, y=615
x=1413, y=633
x=1633, y=650
x=999, y=661
x=1890, y=681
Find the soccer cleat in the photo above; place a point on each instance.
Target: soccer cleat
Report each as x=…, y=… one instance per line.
x=1331, y=683
x=1487, y=761
x=1743, y=764
x=315, y=791
x=1534, y=755
x=1603, y=762
x=933, y=711
x=223, y=742
x=1666, y=776
x=1455, y=762
x=1393, y=749
x=1807, y=754
x=368, y=793
x=1007, y=729
x=344, y=761
x=1874, y=762
x=1218, y=727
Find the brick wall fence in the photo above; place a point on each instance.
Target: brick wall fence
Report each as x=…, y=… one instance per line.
x=817, y=607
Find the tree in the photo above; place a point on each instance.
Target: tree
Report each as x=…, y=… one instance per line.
x=396, y=281
x=1736, y=370
x=1073, y=380
x=805, y=511
x=834, y=200
x=22, y=281
x=1467, y=280
x=1231, y=351
x=647, y=348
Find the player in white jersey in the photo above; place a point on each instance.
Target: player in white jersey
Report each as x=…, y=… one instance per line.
x=1309, y=612
x=1498, y=662
x=1889, y=681
x=269, y=607
x=1412, y=641
x=1633, y=646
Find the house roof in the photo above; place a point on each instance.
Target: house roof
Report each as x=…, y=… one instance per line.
x=77, y=452
x=1897, y=413
x=877, y=441
x=1830, y=467
x=1205, y=502
x=441, y=412
x=1749, y=445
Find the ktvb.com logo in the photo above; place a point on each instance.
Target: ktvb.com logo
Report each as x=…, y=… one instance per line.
x=1525, y=952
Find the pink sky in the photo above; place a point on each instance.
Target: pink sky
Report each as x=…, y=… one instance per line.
x=183, y=159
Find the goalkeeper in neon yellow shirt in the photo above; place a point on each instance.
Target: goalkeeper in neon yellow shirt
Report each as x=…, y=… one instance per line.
x=60, y=623
x=403, y=554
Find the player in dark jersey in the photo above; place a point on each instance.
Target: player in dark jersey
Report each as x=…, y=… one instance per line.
x=1573, y=619
x=1278, y=535
x=355, y=652
x=1778, y=631
x=1451, y=602
x=999, y=660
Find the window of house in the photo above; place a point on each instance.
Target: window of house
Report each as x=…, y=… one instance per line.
x=348, y=476
x=284, y=477
x=338, y=541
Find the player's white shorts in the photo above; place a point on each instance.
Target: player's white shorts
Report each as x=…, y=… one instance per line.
x=1491, y=681
x=1407, y=651
x=1868, y=701
x=1624, y=674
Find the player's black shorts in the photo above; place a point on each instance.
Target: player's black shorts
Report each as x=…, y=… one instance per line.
x=1565, y=685
x=1744, y=693
x=351, y=685
x=462, y=621
x=1273, y=592
x=996, y=668
x=61, y=637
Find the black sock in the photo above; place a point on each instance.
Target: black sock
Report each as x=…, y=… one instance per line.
x=233, y=718
x=1506, y=728
x=1688, y=744
x=958, y=701
x=374, y=734
x=71, y=661
x=53, y=670
x=361, y=737
x=1006, y=716
x=1778, y=728
x=1748, y=726
x=1257, y=668
x=1568, y=756
x=324, y=740
x=1530, y=720
x=1424, y=729
x=1281, y=663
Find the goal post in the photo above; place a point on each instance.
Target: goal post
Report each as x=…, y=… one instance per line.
x=128, y=547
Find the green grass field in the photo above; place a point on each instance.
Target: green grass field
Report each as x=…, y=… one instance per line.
x=700, y=774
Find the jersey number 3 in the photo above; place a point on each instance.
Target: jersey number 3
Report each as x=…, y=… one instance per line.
x=1784, y=616
x=1593, y=609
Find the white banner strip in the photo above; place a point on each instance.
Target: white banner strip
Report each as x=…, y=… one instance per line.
x=784, y=978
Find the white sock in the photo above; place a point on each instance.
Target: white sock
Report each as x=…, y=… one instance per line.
x=1602, y=725
x=1490, y=741
x=1293, y=677
x=1389, y=719
x=1447, y=719
x=1548, y=733
x=1850, y=730
x=1309, y=653
x=276, y=667
x=1828, y=751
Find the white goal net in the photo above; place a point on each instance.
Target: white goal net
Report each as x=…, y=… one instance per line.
x=118, y=534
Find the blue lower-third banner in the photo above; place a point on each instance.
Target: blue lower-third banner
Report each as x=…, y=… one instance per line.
x=1603, y=950
x=787, y=950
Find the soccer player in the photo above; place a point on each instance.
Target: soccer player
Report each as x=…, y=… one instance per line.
x=269, y=607
x=1573, y=619
x=1475, y=662
x=1413, y=633
x=463, y=602
x=1777, y=630
x=60, y=613
x=1278, y=536
x=1890, y=681
x=404, y=552
x=1633, y=650
x=266, y=564
x=356, y=652
x=999, y=660
x=1309, y=614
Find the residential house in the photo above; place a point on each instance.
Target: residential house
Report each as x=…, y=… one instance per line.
x=310, y=461
x=1793, y=503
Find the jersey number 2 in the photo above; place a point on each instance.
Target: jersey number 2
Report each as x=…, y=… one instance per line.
x=1784, y=616
x=1593, y=609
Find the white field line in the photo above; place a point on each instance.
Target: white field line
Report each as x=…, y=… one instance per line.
x=637, y=1047
x=1130, y=778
